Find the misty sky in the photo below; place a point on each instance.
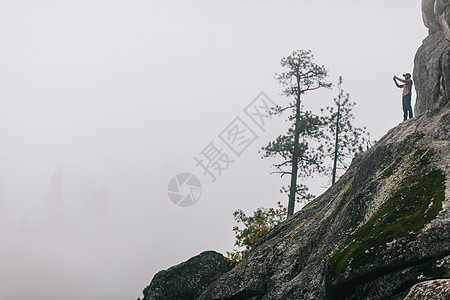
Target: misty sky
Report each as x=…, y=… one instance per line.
x=103, y=102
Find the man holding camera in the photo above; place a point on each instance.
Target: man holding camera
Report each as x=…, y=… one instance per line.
x=406, y=94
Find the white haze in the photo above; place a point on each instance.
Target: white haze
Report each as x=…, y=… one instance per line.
x=103, y=102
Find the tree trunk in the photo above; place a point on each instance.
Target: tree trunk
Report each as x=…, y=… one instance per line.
x=336, y=145
x=293, y=187
x=333, y=179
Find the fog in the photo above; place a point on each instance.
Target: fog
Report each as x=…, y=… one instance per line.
x=104, y=102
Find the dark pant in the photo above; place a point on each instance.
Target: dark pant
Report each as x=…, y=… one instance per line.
x=407, y=107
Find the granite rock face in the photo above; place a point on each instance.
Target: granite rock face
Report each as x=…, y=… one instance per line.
x=432, y=61
x=429, y=290
x=187, y=280
x=436, y=16
x=383, y=227
x=380, y=230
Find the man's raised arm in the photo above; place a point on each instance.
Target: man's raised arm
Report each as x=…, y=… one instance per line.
x=396, y=83
x=395, y=77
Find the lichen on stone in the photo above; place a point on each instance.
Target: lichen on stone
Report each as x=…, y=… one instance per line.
x=416, y=201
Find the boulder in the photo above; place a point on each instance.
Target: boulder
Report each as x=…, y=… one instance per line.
x=187, y=280
x=429, y=290
x=432, y=61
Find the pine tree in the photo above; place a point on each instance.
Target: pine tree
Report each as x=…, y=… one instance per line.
x=300, y=158
x=344, y=140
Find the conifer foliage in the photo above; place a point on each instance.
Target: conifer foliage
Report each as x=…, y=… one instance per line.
x=344, y=140
x=299, y=148
x=308, y=146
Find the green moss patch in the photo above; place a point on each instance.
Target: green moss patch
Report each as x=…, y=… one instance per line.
x=317, y=237
x=416, y=201
x=341, y=203
x=392, y=159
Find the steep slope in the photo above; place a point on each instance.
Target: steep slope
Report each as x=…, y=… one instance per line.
x=383, y=227
x=382, y=231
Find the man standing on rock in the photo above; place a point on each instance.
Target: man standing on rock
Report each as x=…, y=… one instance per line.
x=406, y=94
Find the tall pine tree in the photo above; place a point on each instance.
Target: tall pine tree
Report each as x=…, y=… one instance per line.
x=300, y=159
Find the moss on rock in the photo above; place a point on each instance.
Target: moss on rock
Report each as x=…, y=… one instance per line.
x=405, y=213
x=415, y=202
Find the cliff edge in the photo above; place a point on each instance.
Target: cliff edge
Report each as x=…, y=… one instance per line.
x=381, y=232
x=381, y=229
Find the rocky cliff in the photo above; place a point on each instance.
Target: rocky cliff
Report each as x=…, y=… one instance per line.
x=432, y=61
x=383, y=227
x=381, y=232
